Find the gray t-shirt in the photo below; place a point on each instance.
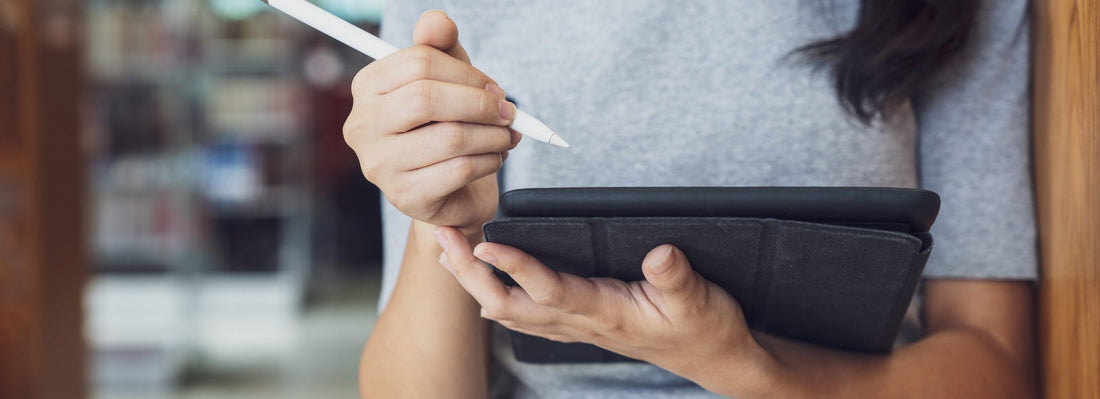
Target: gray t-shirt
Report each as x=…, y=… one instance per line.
x=703, y=93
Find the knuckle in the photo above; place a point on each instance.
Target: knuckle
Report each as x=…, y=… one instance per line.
x=420, y=54
x=489, y=108
x=587, y=335
x=503, y=138
x=419, y=102
x=453, y=136
x=701, y=303
x=474, y=78
x=696, y=286
x=397, y=196
x=369, y=169
x=360, y=80
x=359, y=121
x=610, y=324
x=680, y=286
x=552, y=297
x=419, y=65
x=463, y=167
x=350, y=130
x=464, y=273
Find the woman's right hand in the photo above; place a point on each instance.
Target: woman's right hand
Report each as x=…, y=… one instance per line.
x=430, y=130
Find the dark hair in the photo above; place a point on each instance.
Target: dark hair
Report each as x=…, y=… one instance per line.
x=896, y=47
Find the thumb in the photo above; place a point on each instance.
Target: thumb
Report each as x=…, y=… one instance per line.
x=667, y=269
x=437, y=30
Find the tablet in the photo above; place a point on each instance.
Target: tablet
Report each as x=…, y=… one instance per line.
x=898, y=209
x=832, y=266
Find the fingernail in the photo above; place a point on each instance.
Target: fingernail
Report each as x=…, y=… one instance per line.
x=439, y=237
x=496, y=90
x=661, y=262
x=507, y=110
x=516, y=137
x=443, y=260
x=431, y=11
x=485, y=256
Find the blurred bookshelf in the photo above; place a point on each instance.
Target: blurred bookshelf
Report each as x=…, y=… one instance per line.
x=202, y=141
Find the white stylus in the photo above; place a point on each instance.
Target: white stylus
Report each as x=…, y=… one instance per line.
x=376, y=48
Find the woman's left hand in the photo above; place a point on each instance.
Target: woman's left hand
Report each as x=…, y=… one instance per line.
x=674, y=319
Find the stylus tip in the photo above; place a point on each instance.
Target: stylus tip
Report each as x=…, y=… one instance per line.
x=558, y=141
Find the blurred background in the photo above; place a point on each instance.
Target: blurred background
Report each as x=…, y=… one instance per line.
x=231, y=247
x=179, y=216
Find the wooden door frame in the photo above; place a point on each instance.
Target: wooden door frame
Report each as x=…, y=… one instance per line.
x=1066, y=122
x=42, y=276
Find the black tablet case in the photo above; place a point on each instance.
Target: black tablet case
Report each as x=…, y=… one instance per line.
x=833, y=285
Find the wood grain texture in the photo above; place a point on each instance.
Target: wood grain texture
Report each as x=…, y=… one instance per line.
x=18, y=280
x=43, y=256
x=1067, y=156
x=9, y=106
x=63, y=264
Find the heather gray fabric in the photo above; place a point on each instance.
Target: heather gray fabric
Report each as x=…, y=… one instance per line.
x=661, y=93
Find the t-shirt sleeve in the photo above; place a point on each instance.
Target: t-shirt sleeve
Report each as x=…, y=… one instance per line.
x=397, y=26
x=974, y=126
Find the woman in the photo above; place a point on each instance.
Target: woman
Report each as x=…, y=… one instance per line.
x=710, y=93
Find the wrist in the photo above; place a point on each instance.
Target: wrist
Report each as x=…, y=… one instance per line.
x=740, y=368
x=422, y=272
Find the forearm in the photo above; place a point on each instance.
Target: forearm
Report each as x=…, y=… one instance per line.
x=958, y=362
x=429, y=341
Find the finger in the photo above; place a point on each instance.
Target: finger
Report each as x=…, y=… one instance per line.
x=436, y=29
x=516, y=137
x=416, y=63
x=425, y=101
x=471, y=273
x=520, y=310
x=667, y=270
x=443, y=178
x=562, y=329
x=436, y=142
x=545, y=287
x=499, y=302
x=538, y=332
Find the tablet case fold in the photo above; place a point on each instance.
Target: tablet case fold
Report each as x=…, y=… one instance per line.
x=832, y=285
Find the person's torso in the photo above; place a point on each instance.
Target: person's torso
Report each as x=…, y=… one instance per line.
x=662, y=93
x=658, y=93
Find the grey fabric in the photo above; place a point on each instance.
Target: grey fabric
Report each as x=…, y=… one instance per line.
x=702, y=93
